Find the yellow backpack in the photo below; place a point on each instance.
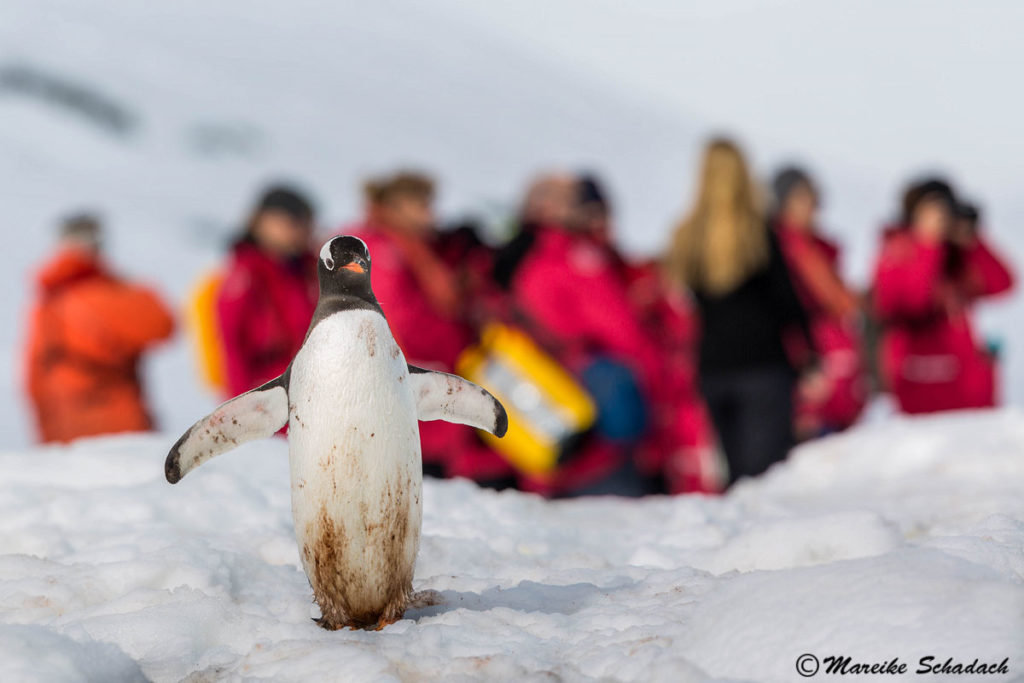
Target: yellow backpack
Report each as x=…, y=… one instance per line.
x=201, y=319
x=546, y=406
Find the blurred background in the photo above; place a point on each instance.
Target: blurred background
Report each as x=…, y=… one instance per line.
x=167, y=119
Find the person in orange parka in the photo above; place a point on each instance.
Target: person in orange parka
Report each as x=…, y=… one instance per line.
x=930, y=273
x=87, y=333
x=833, y=401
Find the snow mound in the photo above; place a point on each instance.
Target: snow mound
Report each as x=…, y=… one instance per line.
x=903, y=539
x=35, y=653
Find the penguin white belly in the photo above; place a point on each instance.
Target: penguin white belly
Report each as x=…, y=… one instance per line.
x=355, y=469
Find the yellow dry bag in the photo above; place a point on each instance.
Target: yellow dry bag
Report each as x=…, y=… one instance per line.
x=201, y=317
x=546, y=406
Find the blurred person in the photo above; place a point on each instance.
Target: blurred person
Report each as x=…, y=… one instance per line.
x=399, y=230
x=592, y=213
x=680, y=443
x=269, y=290
x=471, y=260
x=682, y=439
x=566, y=291
x=836, y=402
x=749, y=311
x=549, y=201
x=931, y=270
x=88, y=331
x=426, y=307
x=966, y=224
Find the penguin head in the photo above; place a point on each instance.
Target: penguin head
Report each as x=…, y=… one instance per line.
x=344, y=265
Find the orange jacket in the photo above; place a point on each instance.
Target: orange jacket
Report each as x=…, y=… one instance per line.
x=87, y=331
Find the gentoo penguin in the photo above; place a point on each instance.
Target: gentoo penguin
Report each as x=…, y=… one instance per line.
x=351, y=403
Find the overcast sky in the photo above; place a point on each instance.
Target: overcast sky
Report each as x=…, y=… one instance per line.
x=877, y=86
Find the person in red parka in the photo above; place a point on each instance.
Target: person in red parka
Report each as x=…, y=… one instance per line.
x=575, y=304
x=679, y=445
x=682, y=439
x=928, y=276
x=269, y=291
x=836, y=398
x=88, y=330
x=426, y=309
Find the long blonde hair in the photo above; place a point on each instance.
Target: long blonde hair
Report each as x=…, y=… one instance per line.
x=723, y=240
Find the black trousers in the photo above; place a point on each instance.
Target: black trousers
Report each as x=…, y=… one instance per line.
x=752, y=411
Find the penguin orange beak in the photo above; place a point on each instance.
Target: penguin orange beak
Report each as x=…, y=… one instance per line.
x=354, y=267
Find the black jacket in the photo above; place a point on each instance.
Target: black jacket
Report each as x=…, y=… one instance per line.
x=744, y=328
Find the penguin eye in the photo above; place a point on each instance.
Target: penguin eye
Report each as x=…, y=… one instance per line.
x=329, y=262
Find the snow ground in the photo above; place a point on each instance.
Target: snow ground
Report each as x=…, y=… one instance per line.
x=901, y=539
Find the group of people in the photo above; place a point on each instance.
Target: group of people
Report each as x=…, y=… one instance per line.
x=742, y=338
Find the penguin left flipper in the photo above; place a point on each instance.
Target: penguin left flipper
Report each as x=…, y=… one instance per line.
x=256, y=414
x=440, y=396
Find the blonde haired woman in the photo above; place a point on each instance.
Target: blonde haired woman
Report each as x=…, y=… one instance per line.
x=725, y=255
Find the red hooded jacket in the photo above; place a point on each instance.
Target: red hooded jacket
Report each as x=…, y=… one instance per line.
x=425, y=308
x=264, y=308
x=682, y=439
x=577, y=306
x=87, y=332
x=832, y=309
x=930, y=357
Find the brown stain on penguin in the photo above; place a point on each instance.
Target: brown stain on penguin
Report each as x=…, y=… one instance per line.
x=375, y=590
x=368, y=334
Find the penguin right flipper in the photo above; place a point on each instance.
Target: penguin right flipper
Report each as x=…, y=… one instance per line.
x=256, y=414
x=440, y=396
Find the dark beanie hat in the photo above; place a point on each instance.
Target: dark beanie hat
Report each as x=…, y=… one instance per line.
x=931, y=189
x=787, y=180
x=83, y=228
x=589, y=191
x=287, y=200
x=968, y=211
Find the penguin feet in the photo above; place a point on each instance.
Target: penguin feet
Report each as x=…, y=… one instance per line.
x=329, y=625
x=334, y=619
x=358, y=625
x=336, y=614
x=393, y=612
